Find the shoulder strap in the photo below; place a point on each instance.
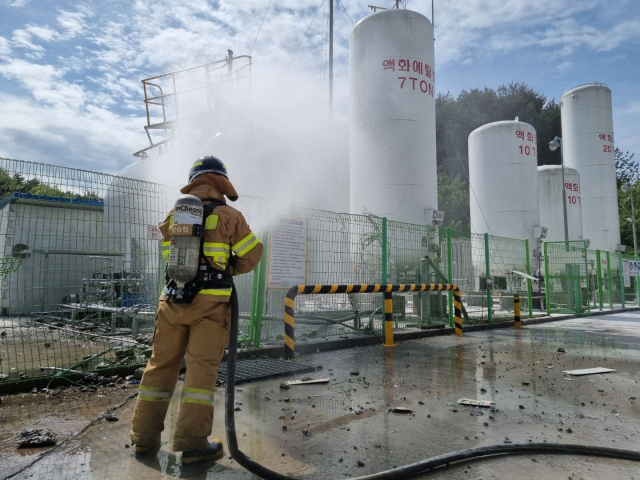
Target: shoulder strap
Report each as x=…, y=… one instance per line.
x=208, y=210
x=209, y=207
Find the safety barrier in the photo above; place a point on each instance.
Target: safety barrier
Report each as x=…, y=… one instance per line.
x=289, y=305
x=516, y=311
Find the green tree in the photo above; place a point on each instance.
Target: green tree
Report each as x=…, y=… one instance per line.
x=627, y=179
x=453, y=198
x=17, y=183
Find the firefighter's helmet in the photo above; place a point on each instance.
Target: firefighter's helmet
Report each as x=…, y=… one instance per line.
x=207, y=164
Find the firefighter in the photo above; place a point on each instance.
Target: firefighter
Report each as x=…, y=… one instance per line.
x=199, y=329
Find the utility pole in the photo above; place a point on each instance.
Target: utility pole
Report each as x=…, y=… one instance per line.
x=331, y=55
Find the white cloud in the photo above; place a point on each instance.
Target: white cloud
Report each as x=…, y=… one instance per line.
x=18, y=3
x=73, y=23
x=5, y=48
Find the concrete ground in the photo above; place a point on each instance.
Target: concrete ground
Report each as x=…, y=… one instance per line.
x=345, y=429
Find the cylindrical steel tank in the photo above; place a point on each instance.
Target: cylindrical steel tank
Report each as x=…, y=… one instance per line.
x=503, y=163
x=587, y=137
x=392, y=136
x=550, y=198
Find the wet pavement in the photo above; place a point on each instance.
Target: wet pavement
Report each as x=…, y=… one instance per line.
x=345, y=429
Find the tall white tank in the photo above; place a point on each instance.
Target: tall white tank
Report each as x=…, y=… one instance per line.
x=392, y=133
x=587, y=137
x=503, y=162
x=550, y=200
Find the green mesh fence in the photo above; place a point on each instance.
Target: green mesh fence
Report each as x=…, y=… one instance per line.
x=567, y=273
x=80, y=269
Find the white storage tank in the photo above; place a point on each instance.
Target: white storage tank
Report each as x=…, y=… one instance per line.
x=503, y=164
x=550, y=198
x=587, y=135
x=392, y=136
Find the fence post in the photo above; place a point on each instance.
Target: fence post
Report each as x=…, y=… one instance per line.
x=546, y=279
x=384, y=269
x=258, y=301
x=621, y=279
x=488, y=276
x=586, y=272
x=599, y=274
x=529, y=293
x=517, y=322
x=610, y=281
x=388, y=319
x=450, y=275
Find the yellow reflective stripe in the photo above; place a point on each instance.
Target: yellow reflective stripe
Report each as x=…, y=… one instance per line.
x=210, y=291
x=240, y=246
x=197, y=164
x=248, y=248
x=154, y=394
x=166, y=244
x=215, y=247
x=211, y=223
x=245, y=245
x=165, y=254
x=171, y=220
x=197, y=401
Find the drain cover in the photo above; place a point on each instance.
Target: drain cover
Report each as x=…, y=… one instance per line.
x=255, y=369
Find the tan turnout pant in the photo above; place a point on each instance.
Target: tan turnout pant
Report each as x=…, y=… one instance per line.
x=201, y=331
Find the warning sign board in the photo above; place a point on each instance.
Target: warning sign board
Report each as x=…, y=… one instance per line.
x=288, y=253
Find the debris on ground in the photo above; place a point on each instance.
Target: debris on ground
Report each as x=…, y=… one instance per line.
x=138, y=373
x=589, y=371
x=110, y=417
x=402, y=410
x=284, y=386
x=355, y=373
x=307, y=381
x=36, y=438
x=561, y=350
x=475, y=403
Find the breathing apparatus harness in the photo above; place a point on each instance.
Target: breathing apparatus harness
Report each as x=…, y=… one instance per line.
x=206, y=276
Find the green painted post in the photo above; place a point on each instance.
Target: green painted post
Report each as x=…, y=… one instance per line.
x=529, y=294
x=261, y=291
x=621, y=279
x=599, y=274
x=609, y=281
x=586, y=272
x=384, y=265
x=546, y=279
x=488, y=275
x=450, y=275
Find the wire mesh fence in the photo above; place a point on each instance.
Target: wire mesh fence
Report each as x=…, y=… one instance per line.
x=630, y=283
x=80, y=266
x=567, y=277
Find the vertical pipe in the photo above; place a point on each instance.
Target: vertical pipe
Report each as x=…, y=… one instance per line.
x=529, y=292
x=457, y=305
x=609, y=281
x=259, y=301
x=289, y=323
x=516, y=311
x=488, y=276
x=599, y=274
x=621, y=279
x=388, y=320
x=450, y=275
x=331, y=55
x=384, y=264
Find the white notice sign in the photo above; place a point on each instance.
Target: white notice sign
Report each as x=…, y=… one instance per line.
x=626, y=273
x=288, y=253
x=153, y=233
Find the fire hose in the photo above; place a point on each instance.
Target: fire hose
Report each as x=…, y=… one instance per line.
x=398, y=472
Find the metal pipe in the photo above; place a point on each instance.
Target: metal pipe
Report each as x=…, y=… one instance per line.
x=331, y=55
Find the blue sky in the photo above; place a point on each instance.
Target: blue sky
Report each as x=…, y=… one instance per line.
x=70, y=71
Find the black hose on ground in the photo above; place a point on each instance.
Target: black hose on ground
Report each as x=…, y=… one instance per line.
x=406, y=470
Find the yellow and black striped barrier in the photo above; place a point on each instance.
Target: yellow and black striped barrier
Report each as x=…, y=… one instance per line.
x=289, y=305
x=516, y=311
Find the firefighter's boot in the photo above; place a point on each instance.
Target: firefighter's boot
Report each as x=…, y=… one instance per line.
x=212, y=451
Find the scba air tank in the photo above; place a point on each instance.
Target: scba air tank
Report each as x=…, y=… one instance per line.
x=184, y=255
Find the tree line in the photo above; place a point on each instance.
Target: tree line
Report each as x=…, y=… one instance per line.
x=18, y=183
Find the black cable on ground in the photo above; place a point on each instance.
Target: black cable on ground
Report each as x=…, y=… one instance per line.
x=399, y=472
